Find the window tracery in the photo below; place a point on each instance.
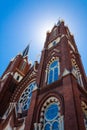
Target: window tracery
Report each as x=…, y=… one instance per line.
x=50, y=117
x=25, y=99
x=53, y=72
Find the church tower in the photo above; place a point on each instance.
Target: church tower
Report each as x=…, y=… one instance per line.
x=50, y=95
x=12, y=76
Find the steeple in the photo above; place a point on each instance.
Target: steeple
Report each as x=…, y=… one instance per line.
x=25, y=51
x=49, y=95
x=15, y=72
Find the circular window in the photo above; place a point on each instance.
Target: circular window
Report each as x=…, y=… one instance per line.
x=26, y=97
x=51, y=112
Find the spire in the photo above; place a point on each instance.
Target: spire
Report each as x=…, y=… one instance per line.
x=26, y=50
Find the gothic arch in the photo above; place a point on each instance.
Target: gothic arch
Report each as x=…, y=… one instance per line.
x=55, y=53
x=51, y=60
x=24, y=88
x=49, y=99
x=53, y=70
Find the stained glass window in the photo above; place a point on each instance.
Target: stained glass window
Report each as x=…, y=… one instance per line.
x=51, y=117
x=53, y=72
x=25, y=99
x=51, y=112
x=55, y=126
x=47, y=126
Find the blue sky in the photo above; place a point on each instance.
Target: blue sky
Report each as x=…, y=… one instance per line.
x=27, y=21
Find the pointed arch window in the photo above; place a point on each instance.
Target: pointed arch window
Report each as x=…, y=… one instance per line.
x=51, y=117
x=53, y=72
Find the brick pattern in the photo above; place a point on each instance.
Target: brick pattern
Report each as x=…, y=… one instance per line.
x=66, y=89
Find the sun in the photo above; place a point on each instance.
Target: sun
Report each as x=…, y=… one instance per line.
x=44, y=27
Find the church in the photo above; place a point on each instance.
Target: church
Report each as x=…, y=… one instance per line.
x=50, y=94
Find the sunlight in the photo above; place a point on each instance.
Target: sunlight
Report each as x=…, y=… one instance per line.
x=42, y=30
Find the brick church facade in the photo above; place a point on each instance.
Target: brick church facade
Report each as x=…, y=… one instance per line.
x=50, y=95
